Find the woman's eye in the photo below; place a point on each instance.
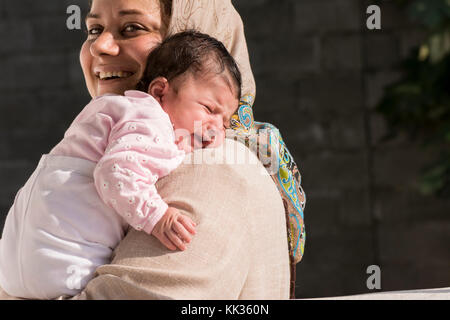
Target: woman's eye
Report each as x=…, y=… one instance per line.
x=94, y=31
x=132, y=28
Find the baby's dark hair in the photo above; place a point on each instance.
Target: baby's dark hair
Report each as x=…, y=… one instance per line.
x=189, y=51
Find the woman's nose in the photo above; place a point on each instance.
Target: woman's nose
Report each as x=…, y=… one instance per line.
x=105, y=44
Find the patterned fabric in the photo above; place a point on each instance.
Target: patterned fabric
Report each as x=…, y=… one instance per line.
x=266, y=142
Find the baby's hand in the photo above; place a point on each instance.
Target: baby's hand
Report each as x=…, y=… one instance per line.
x=174, y=229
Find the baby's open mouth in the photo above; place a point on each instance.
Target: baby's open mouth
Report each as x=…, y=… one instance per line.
x=202, y=141
x=113, y=75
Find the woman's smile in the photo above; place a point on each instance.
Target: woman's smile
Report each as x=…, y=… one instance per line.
x=104, y=75
x=114, y=79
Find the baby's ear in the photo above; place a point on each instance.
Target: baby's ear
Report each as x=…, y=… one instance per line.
x=158, y=88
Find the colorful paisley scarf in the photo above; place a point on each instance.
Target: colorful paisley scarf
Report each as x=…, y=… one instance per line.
x=219, y=19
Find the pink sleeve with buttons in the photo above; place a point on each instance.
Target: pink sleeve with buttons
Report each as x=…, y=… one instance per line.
x=132, y=140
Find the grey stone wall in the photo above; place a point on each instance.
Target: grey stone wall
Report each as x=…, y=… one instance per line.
x=319, y=74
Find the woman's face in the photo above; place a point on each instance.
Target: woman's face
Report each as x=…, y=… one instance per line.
x=121, y=34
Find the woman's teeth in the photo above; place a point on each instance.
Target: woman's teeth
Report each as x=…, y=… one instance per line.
x=115, y=74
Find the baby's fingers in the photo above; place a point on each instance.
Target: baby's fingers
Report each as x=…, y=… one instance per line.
x=176, y=240
x=183, y=234
x=188, y=224
x=165, y=241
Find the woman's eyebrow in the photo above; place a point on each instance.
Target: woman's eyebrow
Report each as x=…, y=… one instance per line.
x=91, y=15
x=130, y=12
x=122, y=13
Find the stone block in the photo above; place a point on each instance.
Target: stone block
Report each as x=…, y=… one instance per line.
x=434, y=276
x=59, y=108
x=415, y=254
x=336, y=169
x=2, y=11
x=20, y=109
x=348, y=133
x=310, y=136
x=266, y=18
x=28, y=144
x=327, y=16
x=75, y=74
x=290, y=56
x=327, y=96
x=243, y=4
x=349, y=17
x=33, y=71
x=382, y=51
x=393, y=206
x=322, y=208
x=415, y=242
x=376, y=83
x=30, y=8
x=380, y=130
x=16, y=36
x=335, y=263
x=399, y=166
x=314, y=16
x=341, y=53
x=330, y=209
x=51, y=34
x=410, y=40
x=275, y=95
x=354, y=208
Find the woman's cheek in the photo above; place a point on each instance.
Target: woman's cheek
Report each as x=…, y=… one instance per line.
x=142, y=48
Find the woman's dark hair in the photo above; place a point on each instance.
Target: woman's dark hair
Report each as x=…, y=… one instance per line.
x=189, y=51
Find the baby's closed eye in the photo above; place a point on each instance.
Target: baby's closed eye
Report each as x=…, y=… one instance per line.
x=208, y=108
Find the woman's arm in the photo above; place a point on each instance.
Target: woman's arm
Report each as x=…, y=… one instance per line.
x=240, y=249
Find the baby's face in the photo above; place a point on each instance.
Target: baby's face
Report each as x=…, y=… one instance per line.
x=200, y=109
